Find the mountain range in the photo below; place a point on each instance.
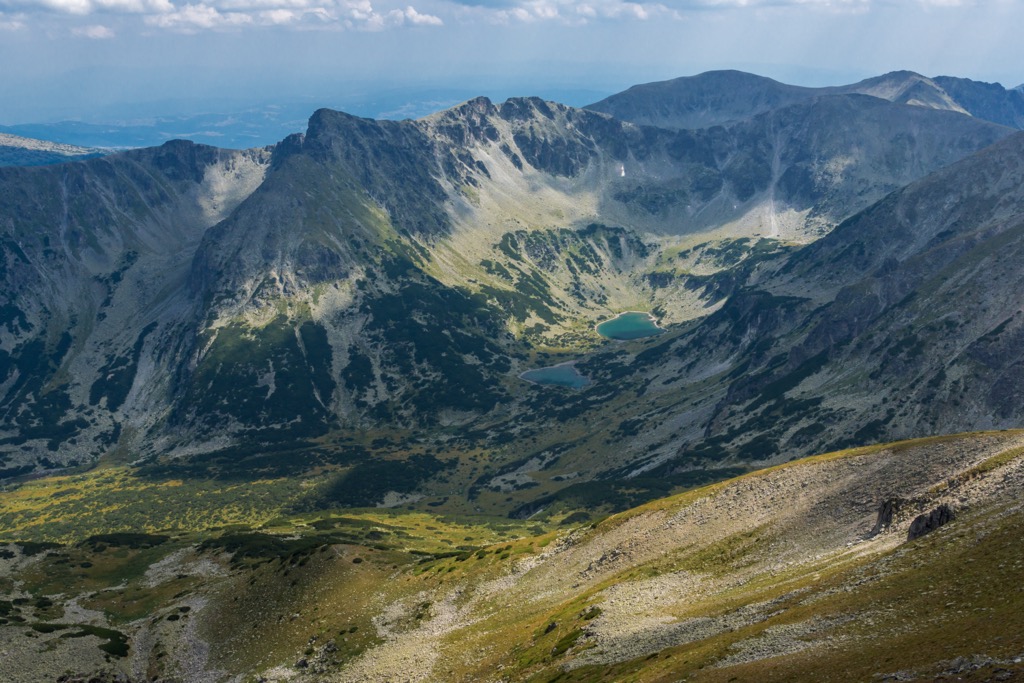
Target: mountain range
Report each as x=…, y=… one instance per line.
x=720, y=97
x=340, y=321
x=381, y=275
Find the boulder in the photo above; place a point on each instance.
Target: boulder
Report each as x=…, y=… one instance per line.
x=930, y=521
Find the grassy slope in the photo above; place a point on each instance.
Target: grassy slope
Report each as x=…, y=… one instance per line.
x=771, y=576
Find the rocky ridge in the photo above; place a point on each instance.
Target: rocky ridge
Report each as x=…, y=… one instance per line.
x=19, y=151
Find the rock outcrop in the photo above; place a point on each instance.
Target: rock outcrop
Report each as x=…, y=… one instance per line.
x=930, y=521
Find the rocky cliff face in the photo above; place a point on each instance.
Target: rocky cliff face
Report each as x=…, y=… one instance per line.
x=95, y=259
x=792, y=172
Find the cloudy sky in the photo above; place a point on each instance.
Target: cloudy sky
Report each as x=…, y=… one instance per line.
x=62, y=58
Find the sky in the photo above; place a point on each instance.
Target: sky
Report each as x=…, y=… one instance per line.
x=90, y=59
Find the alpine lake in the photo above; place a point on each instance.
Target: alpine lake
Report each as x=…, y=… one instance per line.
x=629, y=325
x=562, y=375
x=623, y=327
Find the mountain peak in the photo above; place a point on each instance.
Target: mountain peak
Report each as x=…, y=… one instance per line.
x=707, y=99
x=733, y=75
x=520, y=108
x=324, y=116
x=480, y=103
x=905, y=74
x=895, y=86
x=477, y=106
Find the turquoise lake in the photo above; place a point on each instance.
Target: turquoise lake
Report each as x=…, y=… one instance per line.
x=563, y=375
x=630, y=325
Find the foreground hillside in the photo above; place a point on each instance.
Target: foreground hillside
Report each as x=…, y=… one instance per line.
x=894, y=562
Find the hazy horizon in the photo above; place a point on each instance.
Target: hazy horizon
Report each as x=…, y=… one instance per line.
x=100, y=60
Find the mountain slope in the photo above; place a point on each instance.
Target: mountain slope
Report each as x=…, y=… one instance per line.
x=989, y=101
x=94, y=260
x=907, y=87
x=787, y=574
x=334, y=244
x=682, y=182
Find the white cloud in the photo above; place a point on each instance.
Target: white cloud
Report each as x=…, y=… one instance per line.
x=202, y=16
x=279, y=16
x=364, y=15
x=94, y=31
x=69, y=6
x=268, y=5
x=542, y=9
x=360, y=15
x=753, y=4
x=418, y=19
x=575, y=13
x=190, y=16
x=90, y=6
